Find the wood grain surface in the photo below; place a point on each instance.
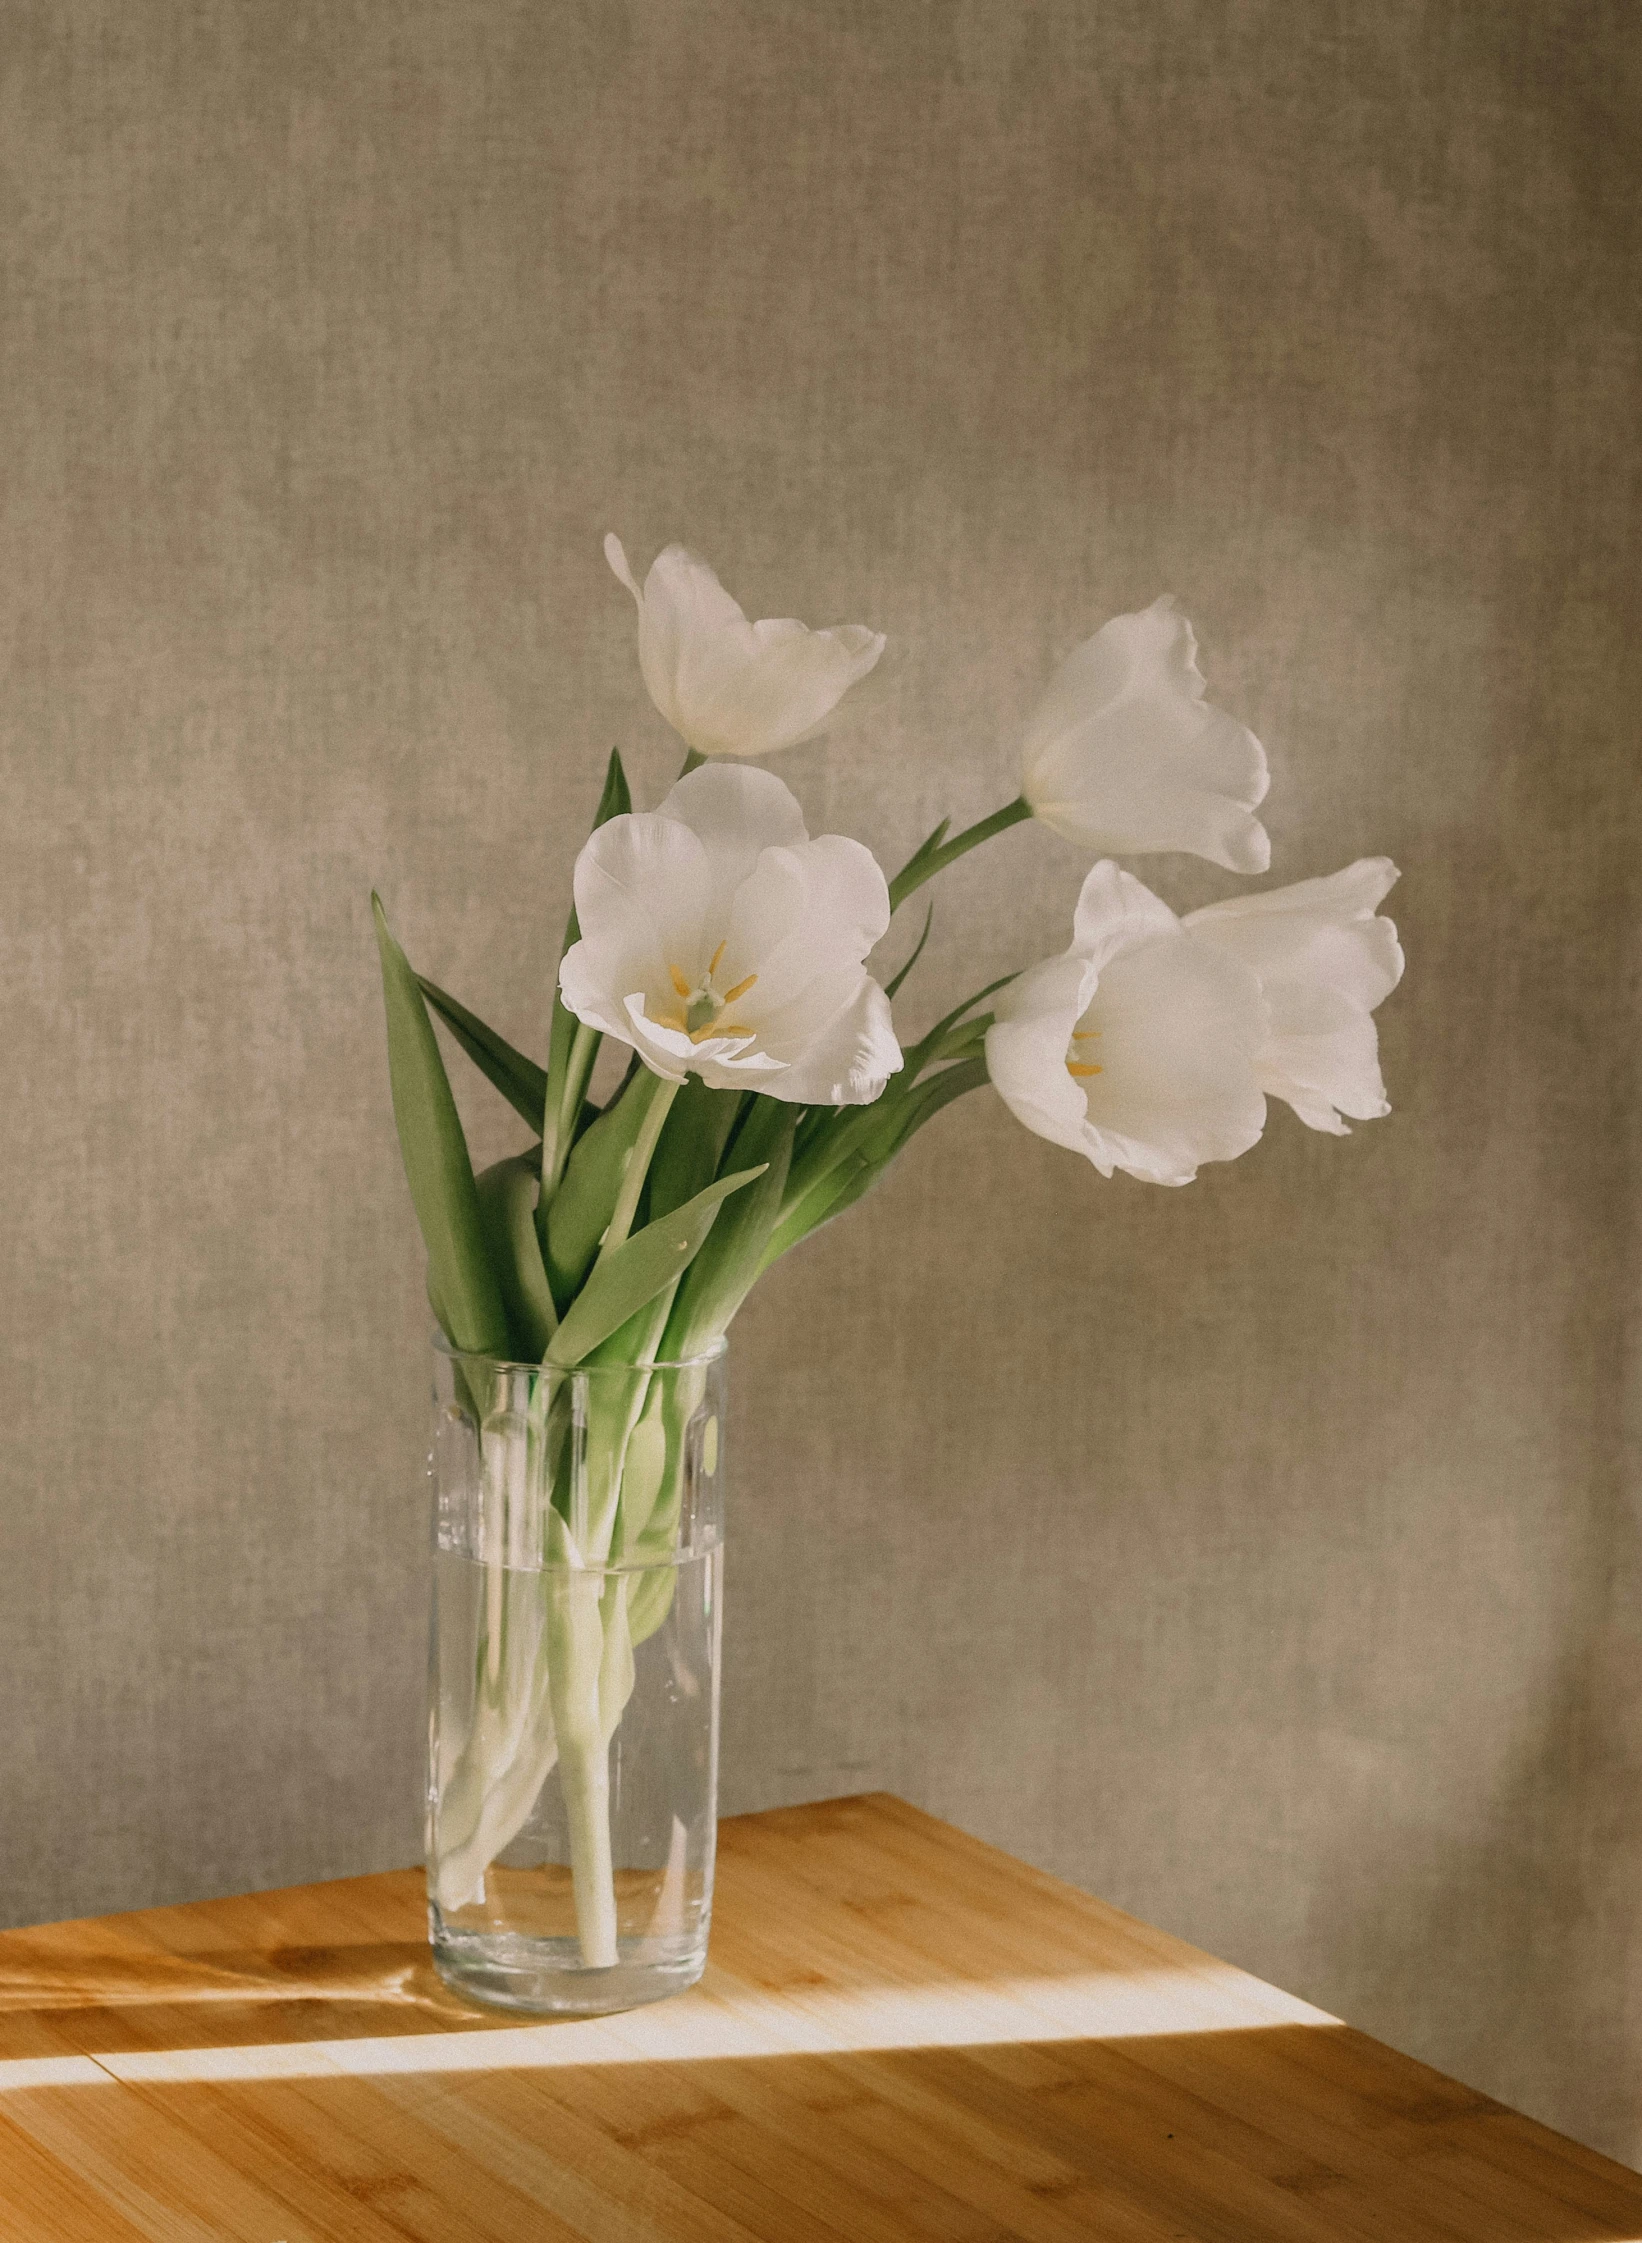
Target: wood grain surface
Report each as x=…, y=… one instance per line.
x=902, y=2034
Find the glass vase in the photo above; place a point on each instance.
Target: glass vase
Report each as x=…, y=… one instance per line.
x=573, y=1678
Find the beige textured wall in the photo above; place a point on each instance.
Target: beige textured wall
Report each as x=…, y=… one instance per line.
x=1260, y=1555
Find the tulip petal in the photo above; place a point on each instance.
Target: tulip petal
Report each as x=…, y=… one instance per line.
x=729, y=687
x=693, y=637
x=1165, y=1032
x=644, y=888
x=736, y=812
x=719, y=940
x=1124, y=754
x=1026, y=1050
x=789, y=688
x=616, y=554
x=1325, y=961
x=722, y=1062
x=848, y=1061
x=1116, y=912
x=1180, y=1026
x=803, y=913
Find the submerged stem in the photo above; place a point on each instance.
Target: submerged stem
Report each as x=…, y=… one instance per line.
x=585, y=1777
x=576, y=1659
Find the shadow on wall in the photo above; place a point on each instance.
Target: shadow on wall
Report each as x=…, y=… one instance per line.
x=1523, y=1913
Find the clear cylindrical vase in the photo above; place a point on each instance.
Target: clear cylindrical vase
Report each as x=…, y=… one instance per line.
x=573, y=1678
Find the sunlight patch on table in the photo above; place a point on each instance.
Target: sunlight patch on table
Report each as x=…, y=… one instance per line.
x=730, y=2018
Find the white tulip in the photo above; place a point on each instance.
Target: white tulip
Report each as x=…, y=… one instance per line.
x=1124, y=755
x=1136, y=1047
x=1325, y=961
x=719, y=940
x=726, y=686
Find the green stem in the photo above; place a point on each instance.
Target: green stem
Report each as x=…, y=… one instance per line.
x=839, y=1181
x=561, y=1133
x=662, y=1095
x=573, y=1046
x=926, y=862
x=953, y=1030
x=839, y=1132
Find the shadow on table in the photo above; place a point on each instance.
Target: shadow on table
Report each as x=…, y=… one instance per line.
x=1308, y=2133
x=228, y=1999
x=895, y=2019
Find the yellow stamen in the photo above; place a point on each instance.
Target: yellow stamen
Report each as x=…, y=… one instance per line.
x=1082, y=1035
x=719, y=1028
x=1076, y=1067
x=679, y=982
x=741, y=988
x=670, y=1020
x=717, y=955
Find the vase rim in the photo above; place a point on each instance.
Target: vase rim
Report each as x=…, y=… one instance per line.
x=719, y=1348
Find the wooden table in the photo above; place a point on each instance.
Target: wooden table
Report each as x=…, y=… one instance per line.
x=902, y=2034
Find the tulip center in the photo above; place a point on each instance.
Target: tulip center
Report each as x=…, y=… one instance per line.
x=702, y=1006
x=1075, y=1063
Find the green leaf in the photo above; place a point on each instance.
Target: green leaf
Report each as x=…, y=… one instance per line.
x=929, y=1049
x=922, y=1103
x=893, y=984
x=692, y=1143
x=726, y=1269
x=507, y=1208
x=568, y=1069
x=636, y=1272
x=586, y=1198
x=616, y=800
x=521, y=1082
x=833, y=1135
x=437, y=1166
x=639, y=1340
x=852, y=1176
x=841, y=1187
x=829, y=1137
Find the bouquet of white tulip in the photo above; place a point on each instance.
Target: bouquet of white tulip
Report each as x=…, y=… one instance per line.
x=767, y=1089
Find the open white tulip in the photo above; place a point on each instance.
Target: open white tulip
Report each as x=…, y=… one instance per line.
x=726, y=686
x=1324, y=961
x=719, y=940
x=1137, y=1047
x=1124, y=755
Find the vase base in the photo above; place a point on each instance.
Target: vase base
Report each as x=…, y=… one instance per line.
x=547, y=1977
